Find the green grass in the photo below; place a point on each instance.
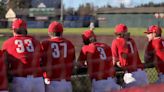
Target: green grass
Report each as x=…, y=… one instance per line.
x=98, y=31
x=78, y=31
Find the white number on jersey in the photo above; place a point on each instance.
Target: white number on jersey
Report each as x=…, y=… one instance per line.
x=131, y=47
x=56, y=51
x=102, y=53
x=24, y=45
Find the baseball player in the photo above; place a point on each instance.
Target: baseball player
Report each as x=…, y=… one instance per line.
x=22, y=53
x=155, y=50
x=98, y=57
x=3, y=75
x=58, y=60
x=125, y=56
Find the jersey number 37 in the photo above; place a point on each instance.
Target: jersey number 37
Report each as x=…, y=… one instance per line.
x=56, y=53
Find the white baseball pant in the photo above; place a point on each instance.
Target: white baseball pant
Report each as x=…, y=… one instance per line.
x=59, y=86
x=137, y=78
x=28, y=84
x=105, y=85
x=160, y=78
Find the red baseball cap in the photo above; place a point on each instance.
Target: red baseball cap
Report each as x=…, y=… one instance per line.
x=19, y=23
x=153, y=29
x=121, y=28
x=88, y=34
x=55, y=27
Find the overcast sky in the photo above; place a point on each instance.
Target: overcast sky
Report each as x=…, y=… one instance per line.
x=114, y=3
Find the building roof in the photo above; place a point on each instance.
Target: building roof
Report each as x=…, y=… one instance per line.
x=38, y=12
x=148, y=10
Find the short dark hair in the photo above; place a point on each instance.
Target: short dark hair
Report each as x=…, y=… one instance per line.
x=22, y=31
x=57, y=33
x=158, y=34
x=88, y=41
x=119, y=34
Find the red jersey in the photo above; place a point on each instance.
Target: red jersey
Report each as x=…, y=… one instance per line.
x=155, y=51
x=99, y=60
x=23, y=56
x=126, y=53
x=3, y=74
x=58, y=58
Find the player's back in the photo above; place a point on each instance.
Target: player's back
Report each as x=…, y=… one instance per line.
x=59, y=56
x=23, y=54
x=158, y=47
x=132, y=60
x=99, y=60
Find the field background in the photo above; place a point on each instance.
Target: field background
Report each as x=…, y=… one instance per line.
x=105, y=35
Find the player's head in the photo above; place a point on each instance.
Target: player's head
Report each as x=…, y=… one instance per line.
x=55, y=29
x=88, y=37
x=19, y=26
x=154, y=30
x=121, y=30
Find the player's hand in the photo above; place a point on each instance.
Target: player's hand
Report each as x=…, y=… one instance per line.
x=47, y=81
x=118, y=64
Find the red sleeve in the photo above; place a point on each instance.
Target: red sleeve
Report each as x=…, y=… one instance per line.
x=82, y=57
x=37, y=54
x=149, y=53
x=72, y=49
x=3, y=74
x=44, y=56
x=159, y=49
x=115, y=54
x=136, y=54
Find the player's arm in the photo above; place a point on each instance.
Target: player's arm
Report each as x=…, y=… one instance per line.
x=6, y=61
x=149, y=56
x=43, y=57
x=81, y=63
x=3, y=73
x=43, y=63
x=115, y=56
x=149, y=53
x=37, y=52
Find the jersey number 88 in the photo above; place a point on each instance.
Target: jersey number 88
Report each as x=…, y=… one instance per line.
x=24, y=45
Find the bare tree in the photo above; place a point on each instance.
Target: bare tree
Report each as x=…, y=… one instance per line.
x=18, y=4
x=86, y=9
x=2, y=9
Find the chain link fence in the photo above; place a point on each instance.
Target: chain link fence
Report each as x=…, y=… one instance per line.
x=82, y=83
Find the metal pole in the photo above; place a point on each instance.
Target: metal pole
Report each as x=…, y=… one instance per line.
x=61, y=15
